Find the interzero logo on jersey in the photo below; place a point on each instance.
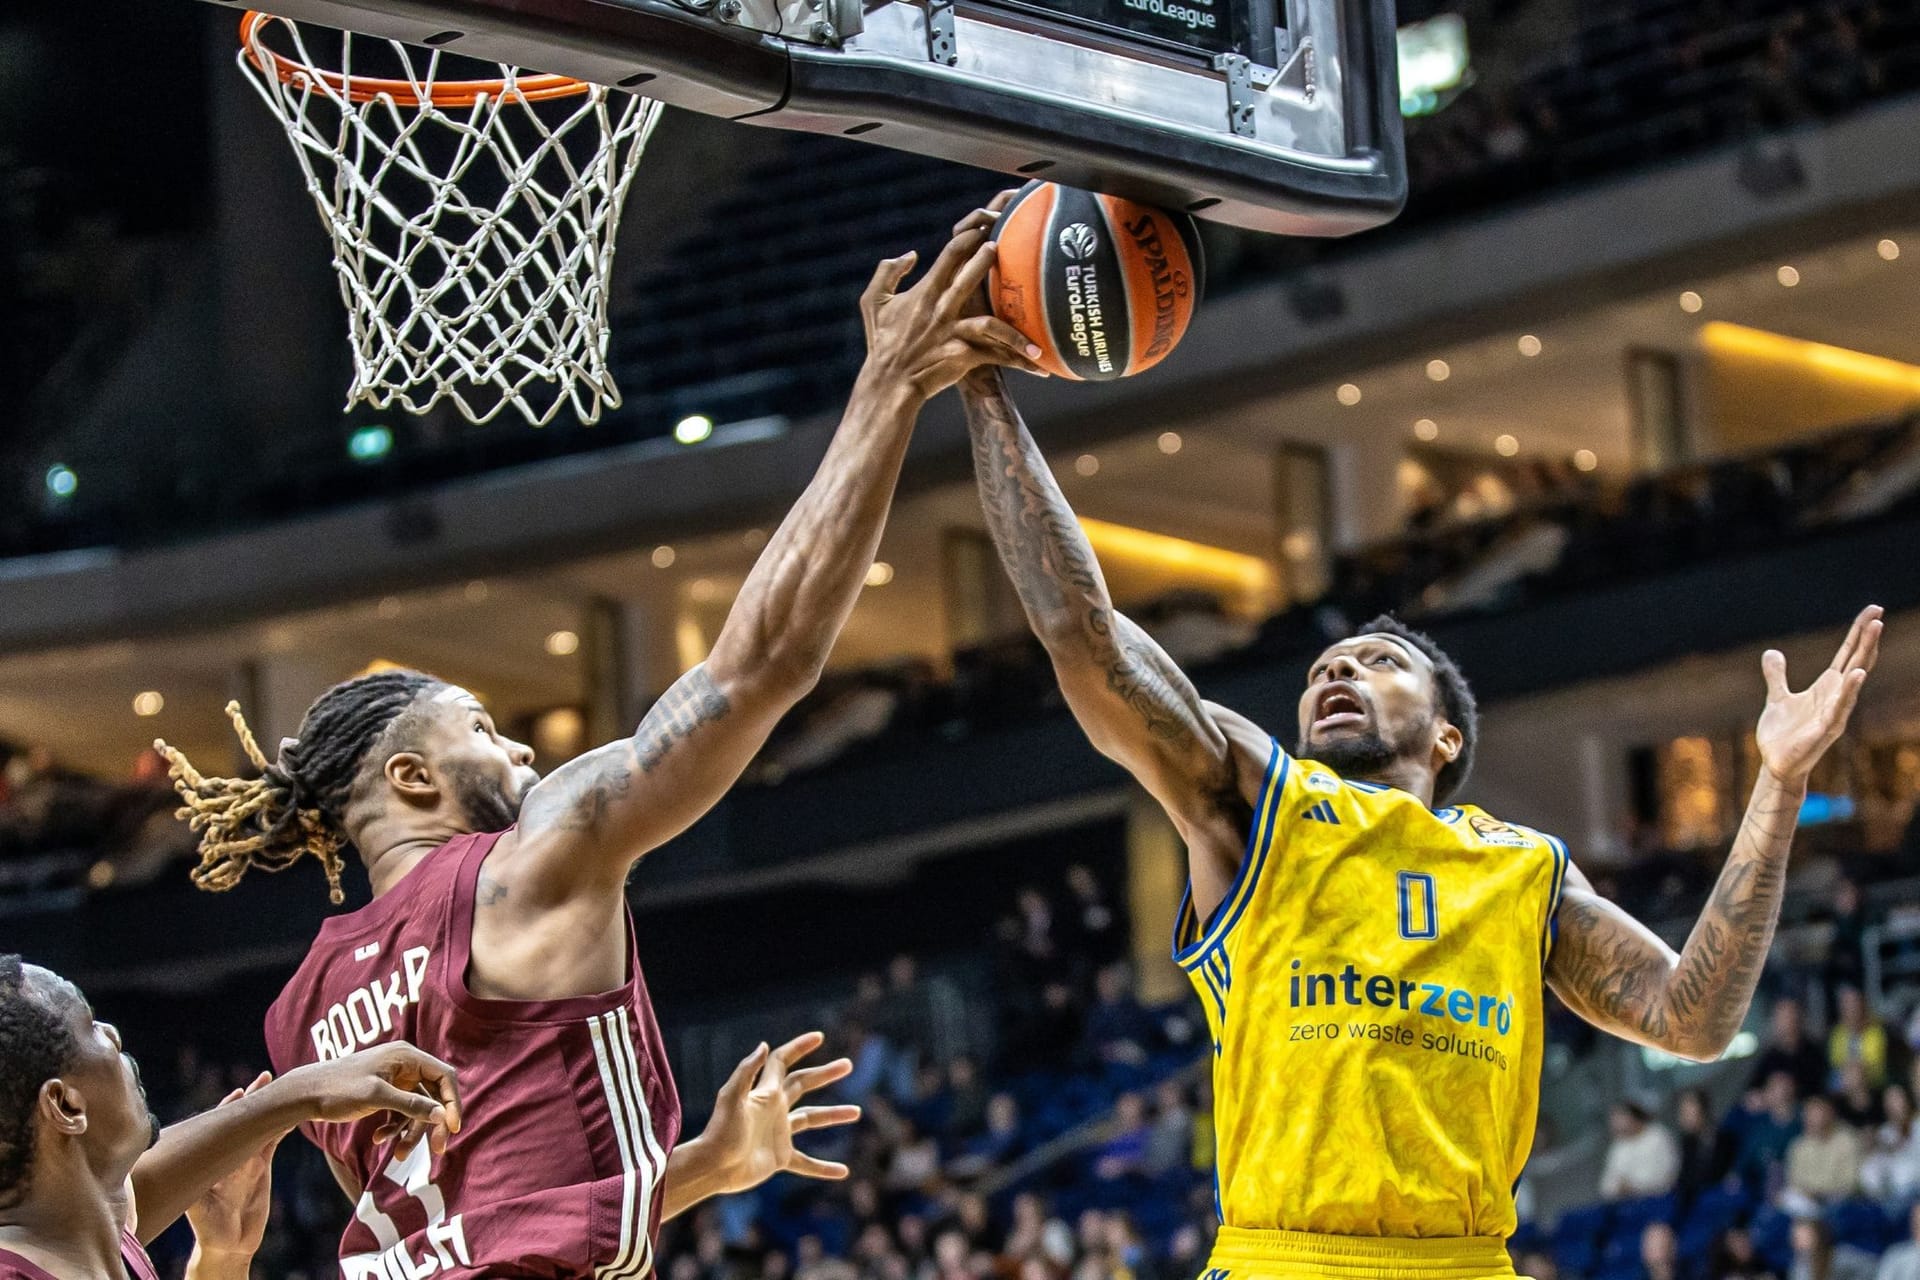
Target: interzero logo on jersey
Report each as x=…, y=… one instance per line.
x=1429, y=999
x=1168, y=285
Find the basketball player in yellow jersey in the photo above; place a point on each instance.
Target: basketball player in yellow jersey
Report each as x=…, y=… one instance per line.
x=1372, y=965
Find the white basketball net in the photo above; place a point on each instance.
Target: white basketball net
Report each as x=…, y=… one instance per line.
x=473, y=243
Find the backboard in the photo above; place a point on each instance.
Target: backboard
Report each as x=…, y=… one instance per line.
x=1275, y=115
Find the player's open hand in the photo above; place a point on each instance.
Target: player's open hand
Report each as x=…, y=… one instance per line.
x=755, y=1119
x=421, y=1092
x=230, y=1219
x=933, y=334
x=1797, y=728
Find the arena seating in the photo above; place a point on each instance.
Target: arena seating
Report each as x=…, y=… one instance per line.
x=750, y=314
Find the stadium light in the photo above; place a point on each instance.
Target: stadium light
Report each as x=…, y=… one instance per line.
x=693, y=429
x=370, y=444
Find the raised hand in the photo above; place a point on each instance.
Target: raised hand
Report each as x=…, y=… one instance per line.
x=755, y=1119
x=230, y=1218
x=935, y=333
x=1797, y=728
x=421, y=1092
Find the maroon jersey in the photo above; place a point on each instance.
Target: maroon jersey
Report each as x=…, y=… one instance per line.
x=568, y=1106
x=139, y=1266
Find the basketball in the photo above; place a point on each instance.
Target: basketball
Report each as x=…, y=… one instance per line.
x=1104, y=286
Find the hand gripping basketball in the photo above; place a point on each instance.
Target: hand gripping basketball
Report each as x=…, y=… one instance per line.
x=1105, y=287
x=922, y=336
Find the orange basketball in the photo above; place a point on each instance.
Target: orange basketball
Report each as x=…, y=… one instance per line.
x=1105, y=287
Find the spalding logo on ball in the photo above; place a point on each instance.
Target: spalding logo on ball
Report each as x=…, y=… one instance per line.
x=1105, y=287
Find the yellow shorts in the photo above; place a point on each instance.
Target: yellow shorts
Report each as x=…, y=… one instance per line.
x=1242, y=1254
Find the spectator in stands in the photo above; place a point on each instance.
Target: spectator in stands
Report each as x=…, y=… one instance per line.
x=1706, y=1151
x=900, y=1020
x=1089, y=926
x=1735, y=1258
x=1890, y=1173
x=1766, y=1134
x=1792, y=1050
x=1037, y=933
x=1537, y=1265
x=814, y=1264
x=1846, y=950
x=1126, y=1254
x=999, y=1143
x=967, y=1098
x=915, y=1162
x=1837, y=74
x=1857, y=1037
x=1643, y=1159
x=1660, y=1254
x=1170, y=1144
x=1856, y=1100
x=1051, y=1035
x=1902, y=1261
x=1823, y=1163
x=1124, y=1151
x=1025, y=1237
x=1119, y=1031
x=1817, y=1257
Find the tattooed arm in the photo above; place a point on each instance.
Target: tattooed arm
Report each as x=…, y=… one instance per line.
x=1201, y=762
x=1614, y=972
x=584, y=825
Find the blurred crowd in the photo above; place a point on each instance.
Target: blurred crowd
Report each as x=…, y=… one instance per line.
x=60, y=828
x=1809, y=1171
x=1484, y=538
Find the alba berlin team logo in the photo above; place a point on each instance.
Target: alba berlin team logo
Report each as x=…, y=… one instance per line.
x=1494, y=831
x=1078, y=241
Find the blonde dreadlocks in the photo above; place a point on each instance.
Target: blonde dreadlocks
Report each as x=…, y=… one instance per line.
x=297, y=804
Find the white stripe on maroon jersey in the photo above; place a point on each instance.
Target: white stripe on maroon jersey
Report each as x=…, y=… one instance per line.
x=651, y=1160
x=629, y=1144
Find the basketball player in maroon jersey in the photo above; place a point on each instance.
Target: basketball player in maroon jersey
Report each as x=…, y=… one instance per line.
x=499, y=938
x=87, y=1176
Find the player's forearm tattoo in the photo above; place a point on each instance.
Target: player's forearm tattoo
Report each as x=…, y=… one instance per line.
x=1605, y=966
x=1053, y=568
x=579, y=797
x=693, y=700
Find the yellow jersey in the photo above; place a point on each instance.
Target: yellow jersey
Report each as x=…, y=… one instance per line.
x=1373, y=982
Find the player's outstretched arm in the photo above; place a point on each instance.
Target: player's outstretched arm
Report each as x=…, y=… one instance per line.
x=1614, y=972
x=229, y=1220
x=1134, y=702
x=591, y=819
x=750, y=1136
x=420, y=1091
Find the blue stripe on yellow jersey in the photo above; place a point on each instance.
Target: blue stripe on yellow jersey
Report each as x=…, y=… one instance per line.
x=1373, y=985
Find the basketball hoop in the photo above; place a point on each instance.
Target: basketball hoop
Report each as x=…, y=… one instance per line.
x=473, y=220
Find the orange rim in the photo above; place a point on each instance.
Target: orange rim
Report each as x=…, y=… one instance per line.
x=361, y=89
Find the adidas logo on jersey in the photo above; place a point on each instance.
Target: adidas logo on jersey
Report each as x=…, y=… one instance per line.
x=1322, y=812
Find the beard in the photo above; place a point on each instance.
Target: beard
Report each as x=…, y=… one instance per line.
x=1363, y=755
x=488, y=804
x=140, y=1087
